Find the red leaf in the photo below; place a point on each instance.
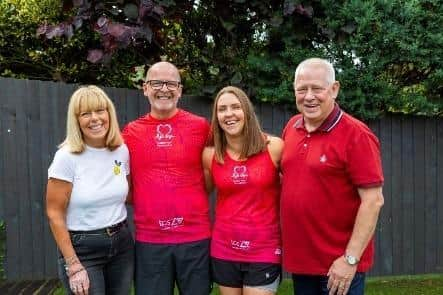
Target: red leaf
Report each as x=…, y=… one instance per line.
x=117, y=29
x=307, y=11
x=101, y=26
x=95, y=55
x=55, y=31
x=102, y=21
x=42, y=29
x=158, y=10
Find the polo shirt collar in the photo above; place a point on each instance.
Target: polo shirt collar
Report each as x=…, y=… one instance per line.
x=330, y=122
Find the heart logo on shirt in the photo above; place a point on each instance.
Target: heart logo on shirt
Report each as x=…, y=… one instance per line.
x=164, y=129
x=239, y=171
x=240, y=174
x=164, y=135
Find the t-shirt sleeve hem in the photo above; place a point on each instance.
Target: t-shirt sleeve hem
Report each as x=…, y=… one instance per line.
x=370, y=184
x=64, y=178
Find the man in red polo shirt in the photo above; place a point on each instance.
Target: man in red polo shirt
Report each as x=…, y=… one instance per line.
x=331, y=189
x=171, y=211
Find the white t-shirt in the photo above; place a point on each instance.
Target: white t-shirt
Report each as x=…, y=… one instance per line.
x=99, y=185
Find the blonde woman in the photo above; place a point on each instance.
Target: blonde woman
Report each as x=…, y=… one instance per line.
x=85, y=200
x=243, y=165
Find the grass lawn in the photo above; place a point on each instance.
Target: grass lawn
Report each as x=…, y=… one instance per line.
x=406, y=285
x=401, y=285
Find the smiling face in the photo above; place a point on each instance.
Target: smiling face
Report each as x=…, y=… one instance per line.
x=230, y=115
x=314, y=95
x=94, y=125
x=163, y=101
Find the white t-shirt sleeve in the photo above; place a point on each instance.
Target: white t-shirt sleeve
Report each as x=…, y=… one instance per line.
x=62, y=167
x=127, y=167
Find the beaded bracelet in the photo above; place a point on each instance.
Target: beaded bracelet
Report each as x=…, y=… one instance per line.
x=71, y=260
x=76, y=272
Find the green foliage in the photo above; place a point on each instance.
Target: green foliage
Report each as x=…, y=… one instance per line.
x=387, y=53
x=395, y=48
x=24, y=55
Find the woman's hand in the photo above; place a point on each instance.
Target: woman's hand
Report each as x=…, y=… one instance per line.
x=78, y=278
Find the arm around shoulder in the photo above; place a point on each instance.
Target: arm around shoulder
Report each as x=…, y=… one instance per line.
x=207, y=156
x=275, y=148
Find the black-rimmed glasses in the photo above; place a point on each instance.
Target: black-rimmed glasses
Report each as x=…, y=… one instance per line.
x=158, y=84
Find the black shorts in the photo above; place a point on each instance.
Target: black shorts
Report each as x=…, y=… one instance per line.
x=159, y=266
x=236, y=274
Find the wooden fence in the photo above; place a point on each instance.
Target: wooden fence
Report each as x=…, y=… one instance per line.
x=32, y=123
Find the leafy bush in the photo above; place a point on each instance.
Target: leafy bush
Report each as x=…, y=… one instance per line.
x=387, y=53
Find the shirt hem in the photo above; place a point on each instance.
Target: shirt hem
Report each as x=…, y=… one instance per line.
x=172, y=241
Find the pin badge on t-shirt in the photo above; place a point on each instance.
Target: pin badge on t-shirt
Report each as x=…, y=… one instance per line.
x=164, y=135
x=117, y=167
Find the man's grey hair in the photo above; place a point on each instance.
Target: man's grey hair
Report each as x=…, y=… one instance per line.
x=315, y=61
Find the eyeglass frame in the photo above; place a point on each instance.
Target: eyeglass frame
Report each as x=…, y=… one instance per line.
x=149, y=82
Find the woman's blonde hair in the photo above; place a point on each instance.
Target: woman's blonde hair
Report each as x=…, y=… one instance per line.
x=85, y=99
x=254, y=139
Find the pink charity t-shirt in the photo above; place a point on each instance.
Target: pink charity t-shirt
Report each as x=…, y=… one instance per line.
x=169, y=197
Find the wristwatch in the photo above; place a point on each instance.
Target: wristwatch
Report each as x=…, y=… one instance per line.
x=351, y=260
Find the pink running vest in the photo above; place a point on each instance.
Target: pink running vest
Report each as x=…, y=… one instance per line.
x=247, y=227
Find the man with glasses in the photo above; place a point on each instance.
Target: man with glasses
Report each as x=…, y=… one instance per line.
x=171, y=211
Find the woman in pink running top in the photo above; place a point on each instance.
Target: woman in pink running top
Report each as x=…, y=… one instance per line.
x=243, y=167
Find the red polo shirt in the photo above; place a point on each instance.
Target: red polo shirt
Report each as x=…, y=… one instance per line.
x=321, y=173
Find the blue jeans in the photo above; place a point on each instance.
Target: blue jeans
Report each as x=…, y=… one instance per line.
x=159, y=266
x=317, y=285
x=109, y=261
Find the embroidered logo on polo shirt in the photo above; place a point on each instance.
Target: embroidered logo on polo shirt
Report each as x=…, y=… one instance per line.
x=117, y=167
x=323, y=158
x=277, y=251
x=164, y=135
x=171, y=223
x=240, y=245
x=239, y=174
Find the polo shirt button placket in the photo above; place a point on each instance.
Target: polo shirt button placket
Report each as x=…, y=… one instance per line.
x=305, y=145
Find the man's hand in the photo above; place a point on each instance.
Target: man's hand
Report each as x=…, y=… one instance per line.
x=340, y=276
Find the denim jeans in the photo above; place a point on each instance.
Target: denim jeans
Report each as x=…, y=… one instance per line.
x=317, y=285
x=109, y=261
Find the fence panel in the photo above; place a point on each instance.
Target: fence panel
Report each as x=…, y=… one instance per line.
x=408, y=237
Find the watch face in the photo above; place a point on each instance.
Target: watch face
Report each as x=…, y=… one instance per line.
x=351, y=260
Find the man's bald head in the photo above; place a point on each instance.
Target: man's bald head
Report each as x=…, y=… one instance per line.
x=163, y=66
